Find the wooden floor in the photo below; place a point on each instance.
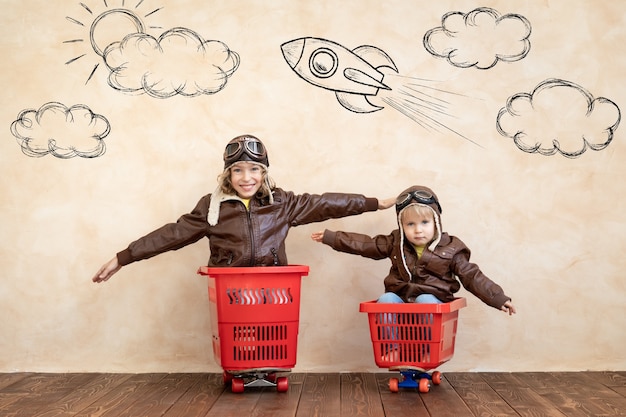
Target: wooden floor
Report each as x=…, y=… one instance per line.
x=567, y=394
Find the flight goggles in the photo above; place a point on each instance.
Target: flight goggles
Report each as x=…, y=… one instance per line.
x=248, y=145
x=419, y=196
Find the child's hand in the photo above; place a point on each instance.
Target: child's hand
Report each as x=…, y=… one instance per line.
x=107, y=270
x=508, y=307
x=317, y=236
x=386, y=203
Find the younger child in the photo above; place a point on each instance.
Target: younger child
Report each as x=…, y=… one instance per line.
x=425, y=261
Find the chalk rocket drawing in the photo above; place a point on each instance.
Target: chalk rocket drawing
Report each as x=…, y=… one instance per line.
x=356, y=76
x=178, y=62
x=559, y=116
x=479, y=39
x=61, y=131
x=352, y=75
x=433, y=108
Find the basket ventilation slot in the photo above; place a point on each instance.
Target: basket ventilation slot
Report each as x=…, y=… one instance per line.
x=253, y=296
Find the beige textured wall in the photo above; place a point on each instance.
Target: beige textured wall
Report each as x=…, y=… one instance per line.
x=548, y=228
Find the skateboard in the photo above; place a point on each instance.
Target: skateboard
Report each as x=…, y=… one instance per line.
x=413, y=377
x=239, y=379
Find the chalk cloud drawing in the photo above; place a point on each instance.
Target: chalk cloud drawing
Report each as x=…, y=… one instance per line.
x=480, y=38
x=178, y=62
x=558, y=116
x=61, y=131
x=352, y=74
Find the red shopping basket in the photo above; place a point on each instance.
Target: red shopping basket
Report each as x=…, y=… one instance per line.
x=411, y=334
x=255, y=315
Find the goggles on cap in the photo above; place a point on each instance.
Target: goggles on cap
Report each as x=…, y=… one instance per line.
x=251, y=146
x=422, y=197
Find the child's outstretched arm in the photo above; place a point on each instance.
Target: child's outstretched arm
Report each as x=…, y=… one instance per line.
x=377, y=247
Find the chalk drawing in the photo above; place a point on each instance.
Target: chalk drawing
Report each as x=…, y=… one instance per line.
x=61, y=131
x=179, y=61
x=558, y=117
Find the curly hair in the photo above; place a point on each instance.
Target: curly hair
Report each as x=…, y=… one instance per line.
x=267, y=183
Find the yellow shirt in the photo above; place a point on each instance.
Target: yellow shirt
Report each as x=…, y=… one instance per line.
x=419, y=250
x=246, y=202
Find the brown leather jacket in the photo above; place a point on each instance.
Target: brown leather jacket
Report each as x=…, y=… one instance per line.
x=434, y=273
x=254, y=237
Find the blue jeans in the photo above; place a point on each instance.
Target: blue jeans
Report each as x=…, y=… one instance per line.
x=390, y=297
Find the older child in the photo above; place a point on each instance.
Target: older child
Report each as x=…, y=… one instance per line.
x=246, y=219
x=425, y=261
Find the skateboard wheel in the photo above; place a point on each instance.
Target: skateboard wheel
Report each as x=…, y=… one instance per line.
x=436, y=376
x=393, y=384
x=237, y=385
x=282, y=384
x=228, y=377
x=271, y=377
x=424, y=385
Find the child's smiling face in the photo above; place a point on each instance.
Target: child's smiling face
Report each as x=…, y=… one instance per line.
x=246, y=179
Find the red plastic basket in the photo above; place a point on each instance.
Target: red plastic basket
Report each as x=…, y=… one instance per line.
x=255, y=314
x=419, y=335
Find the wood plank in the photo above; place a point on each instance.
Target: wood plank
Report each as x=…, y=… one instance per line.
x=443, y=401
x=280, y=404
x=123, y=396
x=229, y=404
x=598, y=399
x=520, y=396
x=546, y=385
x=9, y=395
x=320, y=396
x=360, y=395
x=160, y=396
x=620, y=390
x=11, y=378
x=610, y=379
x=536, y=394
x=30, y=384
x=83, y=395
x=614, y=380
x=404, y=402
x=481, y=399
x=8, y=400
x=199, y=398
x=41, y=389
